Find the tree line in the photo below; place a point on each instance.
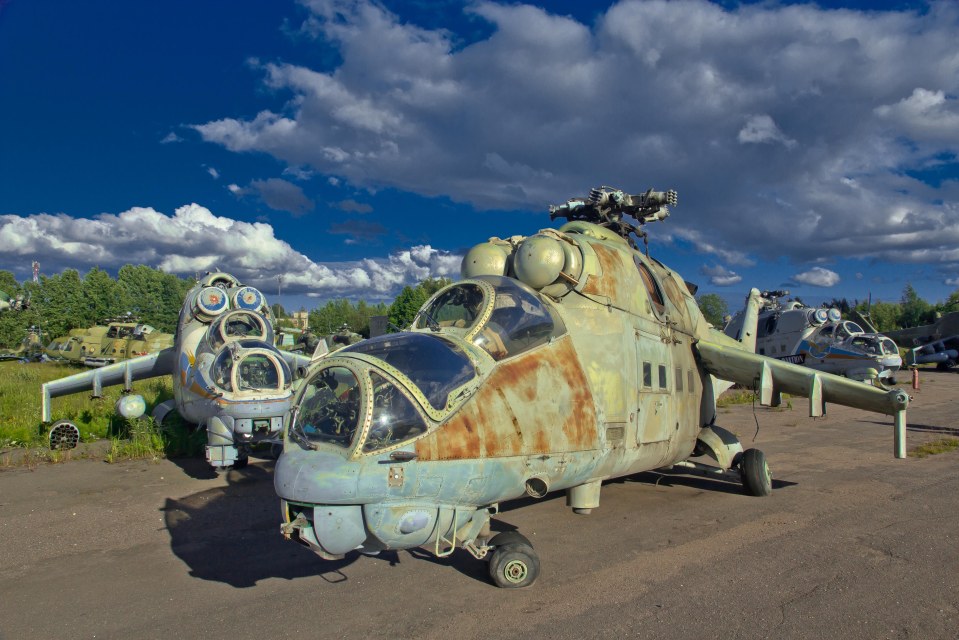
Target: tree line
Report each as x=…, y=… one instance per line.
x=334, y=314
x=910, y=311
x=64, y=301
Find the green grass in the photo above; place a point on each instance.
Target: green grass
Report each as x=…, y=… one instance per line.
x=936, y=446
x=735, y=396
x=738, y=395
x=20, y=426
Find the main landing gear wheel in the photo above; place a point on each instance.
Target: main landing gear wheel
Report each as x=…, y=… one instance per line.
x=513, y=563
x=64, y=435
x=754, y=470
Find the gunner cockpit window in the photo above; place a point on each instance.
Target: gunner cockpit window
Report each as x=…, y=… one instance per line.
x=395, y=419
x=330, y=409
x=435, y=365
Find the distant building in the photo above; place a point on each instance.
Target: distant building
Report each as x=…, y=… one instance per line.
x=301, y=318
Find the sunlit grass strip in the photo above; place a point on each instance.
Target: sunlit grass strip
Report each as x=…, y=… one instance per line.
x=20, y=401
x=735, y=396
x=936, y=446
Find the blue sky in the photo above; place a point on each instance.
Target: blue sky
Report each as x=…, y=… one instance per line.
x=354, y=147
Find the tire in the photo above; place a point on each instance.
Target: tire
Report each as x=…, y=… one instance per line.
x=514, y=566
x=240, y=463
x=509, y=537
x=757, y=480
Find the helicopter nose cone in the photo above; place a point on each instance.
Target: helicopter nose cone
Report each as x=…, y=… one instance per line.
x=315, y=477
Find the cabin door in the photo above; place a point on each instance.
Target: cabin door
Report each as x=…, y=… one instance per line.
x=654, y=415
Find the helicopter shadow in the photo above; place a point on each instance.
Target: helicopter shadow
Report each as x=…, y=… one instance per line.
x=231, y=534
x=695, y=480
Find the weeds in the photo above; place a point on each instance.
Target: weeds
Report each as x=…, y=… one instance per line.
x=738, y=395
x=23, y=438
x=735, y=396
x=936, y=446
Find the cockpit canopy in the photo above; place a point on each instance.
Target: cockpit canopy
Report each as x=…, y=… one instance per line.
x=331, y=412
x=250, y=366
x=435, y=365
x=239, y=324
x=501, y=315
x=840, y=331
x=875, y=345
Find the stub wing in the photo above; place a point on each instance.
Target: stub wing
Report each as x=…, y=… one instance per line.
x=771, y=378
x=149, y=366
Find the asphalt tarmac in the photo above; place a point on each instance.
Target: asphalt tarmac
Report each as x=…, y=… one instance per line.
x=853, y=543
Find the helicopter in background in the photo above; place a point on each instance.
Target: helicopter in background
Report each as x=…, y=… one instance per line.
x=820, y=339
x=228, y=377
x=118, y=339
x=560, y=360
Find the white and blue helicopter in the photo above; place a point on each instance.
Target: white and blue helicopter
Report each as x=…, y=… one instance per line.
x=819, y=338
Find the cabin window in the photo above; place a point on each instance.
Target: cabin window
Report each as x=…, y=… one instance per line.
x=647, y=374
x=679, y=379
x=689, y=380
x=662, y=376
x=767, y=326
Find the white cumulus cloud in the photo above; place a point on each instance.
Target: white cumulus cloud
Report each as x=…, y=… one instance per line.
x=789, y=130
x=720, y=276
x=194, y=240
x=818, y=277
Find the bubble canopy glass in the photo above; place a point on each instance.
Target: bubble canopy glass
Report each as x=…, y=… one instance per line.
x=434, y=364
x=501, y=315
x=250, y=365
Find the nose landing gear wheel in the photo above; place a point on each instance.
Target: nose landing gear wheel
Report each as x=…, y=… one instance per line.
x=514, y=566
x=757, y=479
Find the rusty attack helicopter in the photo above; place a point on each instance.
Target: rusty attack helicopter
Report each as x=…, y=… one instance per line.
x=560, y=360
x=228, y=376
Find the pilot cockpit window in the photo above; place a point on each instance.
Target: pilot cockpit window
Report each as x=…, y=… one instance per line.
x=329, y=411
x=395, y=419
x=520, y=320
x=245, y=324
x=852, y=327
x=434, y=364
x=458, y=307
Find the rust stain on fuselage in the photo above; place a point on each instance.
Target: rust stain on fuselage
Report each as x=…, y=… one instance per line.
x=615, y=274
x=536, y=403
